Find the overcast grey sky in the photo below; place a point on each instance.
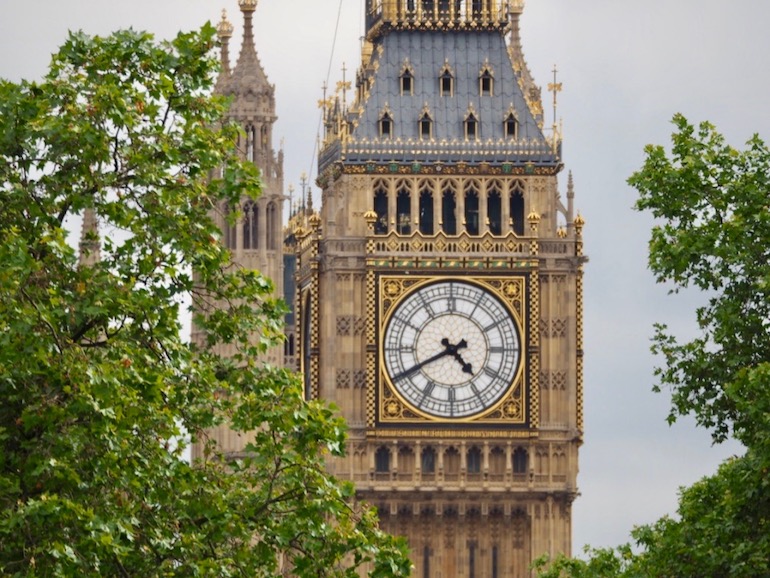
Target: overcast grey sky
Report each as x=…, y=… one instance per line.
x=626, y=67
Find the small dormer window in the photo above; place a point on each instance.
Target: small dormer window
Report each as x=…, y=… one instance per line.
x=511, y=126
x=446, y=83
x=407, y=83
x=426, y=127
x=471, y=127
x=486, y=83
x=386, y=125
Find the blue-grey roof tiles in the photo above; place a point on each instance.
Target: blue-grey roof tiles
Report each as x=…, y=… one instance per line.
x=467, y=54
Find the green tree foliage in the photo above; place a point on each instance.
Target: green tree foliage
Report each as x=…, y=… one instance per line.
x=100, y=392
x=711, y=203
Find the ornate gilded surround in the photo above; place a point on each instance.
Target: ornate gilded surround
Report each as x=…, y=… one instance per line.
x=511, y=412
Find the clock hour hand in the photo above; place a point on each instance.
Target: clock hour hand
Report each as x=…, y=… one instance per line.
x=467, y=367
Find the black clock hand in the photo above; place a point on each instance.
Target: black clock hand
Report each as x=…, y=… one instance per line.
x=467, y=367
x=422, y=364
x=449, y=349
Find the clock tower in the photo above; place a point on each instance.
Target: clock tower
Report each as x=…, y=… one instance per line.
x=439, y=291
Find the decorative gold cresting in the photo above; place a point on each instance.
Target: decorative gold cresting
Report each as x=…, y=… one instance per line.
x=224, y=28
x=429, y=15
x=248, y=5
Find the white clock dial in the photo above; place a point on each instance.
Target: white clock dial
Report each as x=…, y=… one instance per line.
x=451, y=349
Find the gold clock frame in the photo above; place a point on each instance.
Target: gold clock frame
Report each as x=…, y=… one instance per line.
x=513, y=410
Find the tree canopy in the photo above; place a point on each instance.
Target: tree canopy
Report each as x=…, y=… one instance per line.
x=101, y=393
x=711, y=203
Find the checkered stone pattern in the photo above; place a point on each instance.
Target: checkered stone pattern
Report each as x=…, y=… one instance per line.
x=579, y=335
x=534, y=358
x=371, y=349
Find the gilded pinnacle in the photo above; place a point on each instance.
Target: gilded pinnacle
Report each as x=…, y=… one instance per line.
x=224, y=28
x=248, y=5
x=370, y=217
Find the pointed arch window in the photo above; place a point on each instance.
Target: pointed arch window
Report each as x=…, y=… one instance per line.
x=426, y=210
x=404, y=211
x=471, y=127
x=426, y=126
x=494, y=209
x=472, y=209
x=407, y=80
x=381, y=208
x=517, y=210
x=486, y=82
x=428, y=461
x=448, y=210
x=511, y=126
x=496, y=464
x=382, y=460
x=386, y=125
x=446, y=81
x=451, y=464
x=251, y=134
x=520, y=461
x=473, y=460
x=272, y=226
x=230, y=239
x=250, y=225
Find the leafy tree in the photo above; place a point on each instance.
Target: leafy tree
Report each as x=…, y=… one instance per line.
x=100, y=393
x=712, y=206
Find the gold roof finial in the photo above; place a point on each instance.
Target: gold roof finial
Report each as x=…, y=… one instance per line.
x=224, y=28
x=248, y=5
x=555, y=88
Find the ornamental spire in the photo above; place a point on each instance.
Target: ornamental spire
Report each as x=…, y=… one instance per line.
x=224, y=32
x=248, y=74
x=90, y=245
x=248, y=49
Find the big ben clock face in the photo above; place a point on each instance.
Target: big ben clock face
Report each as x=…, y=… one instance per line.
x=451, y=349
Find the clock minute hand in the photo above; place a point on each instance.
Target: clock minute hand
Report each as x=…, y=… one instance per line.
x=422, y=364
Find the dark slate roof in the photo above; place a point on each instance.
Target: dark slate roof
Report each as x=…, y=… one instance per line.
x=466, y=52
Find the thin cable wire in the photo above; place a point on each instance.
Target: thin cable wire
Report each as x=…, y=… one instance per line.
x=321, y=112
